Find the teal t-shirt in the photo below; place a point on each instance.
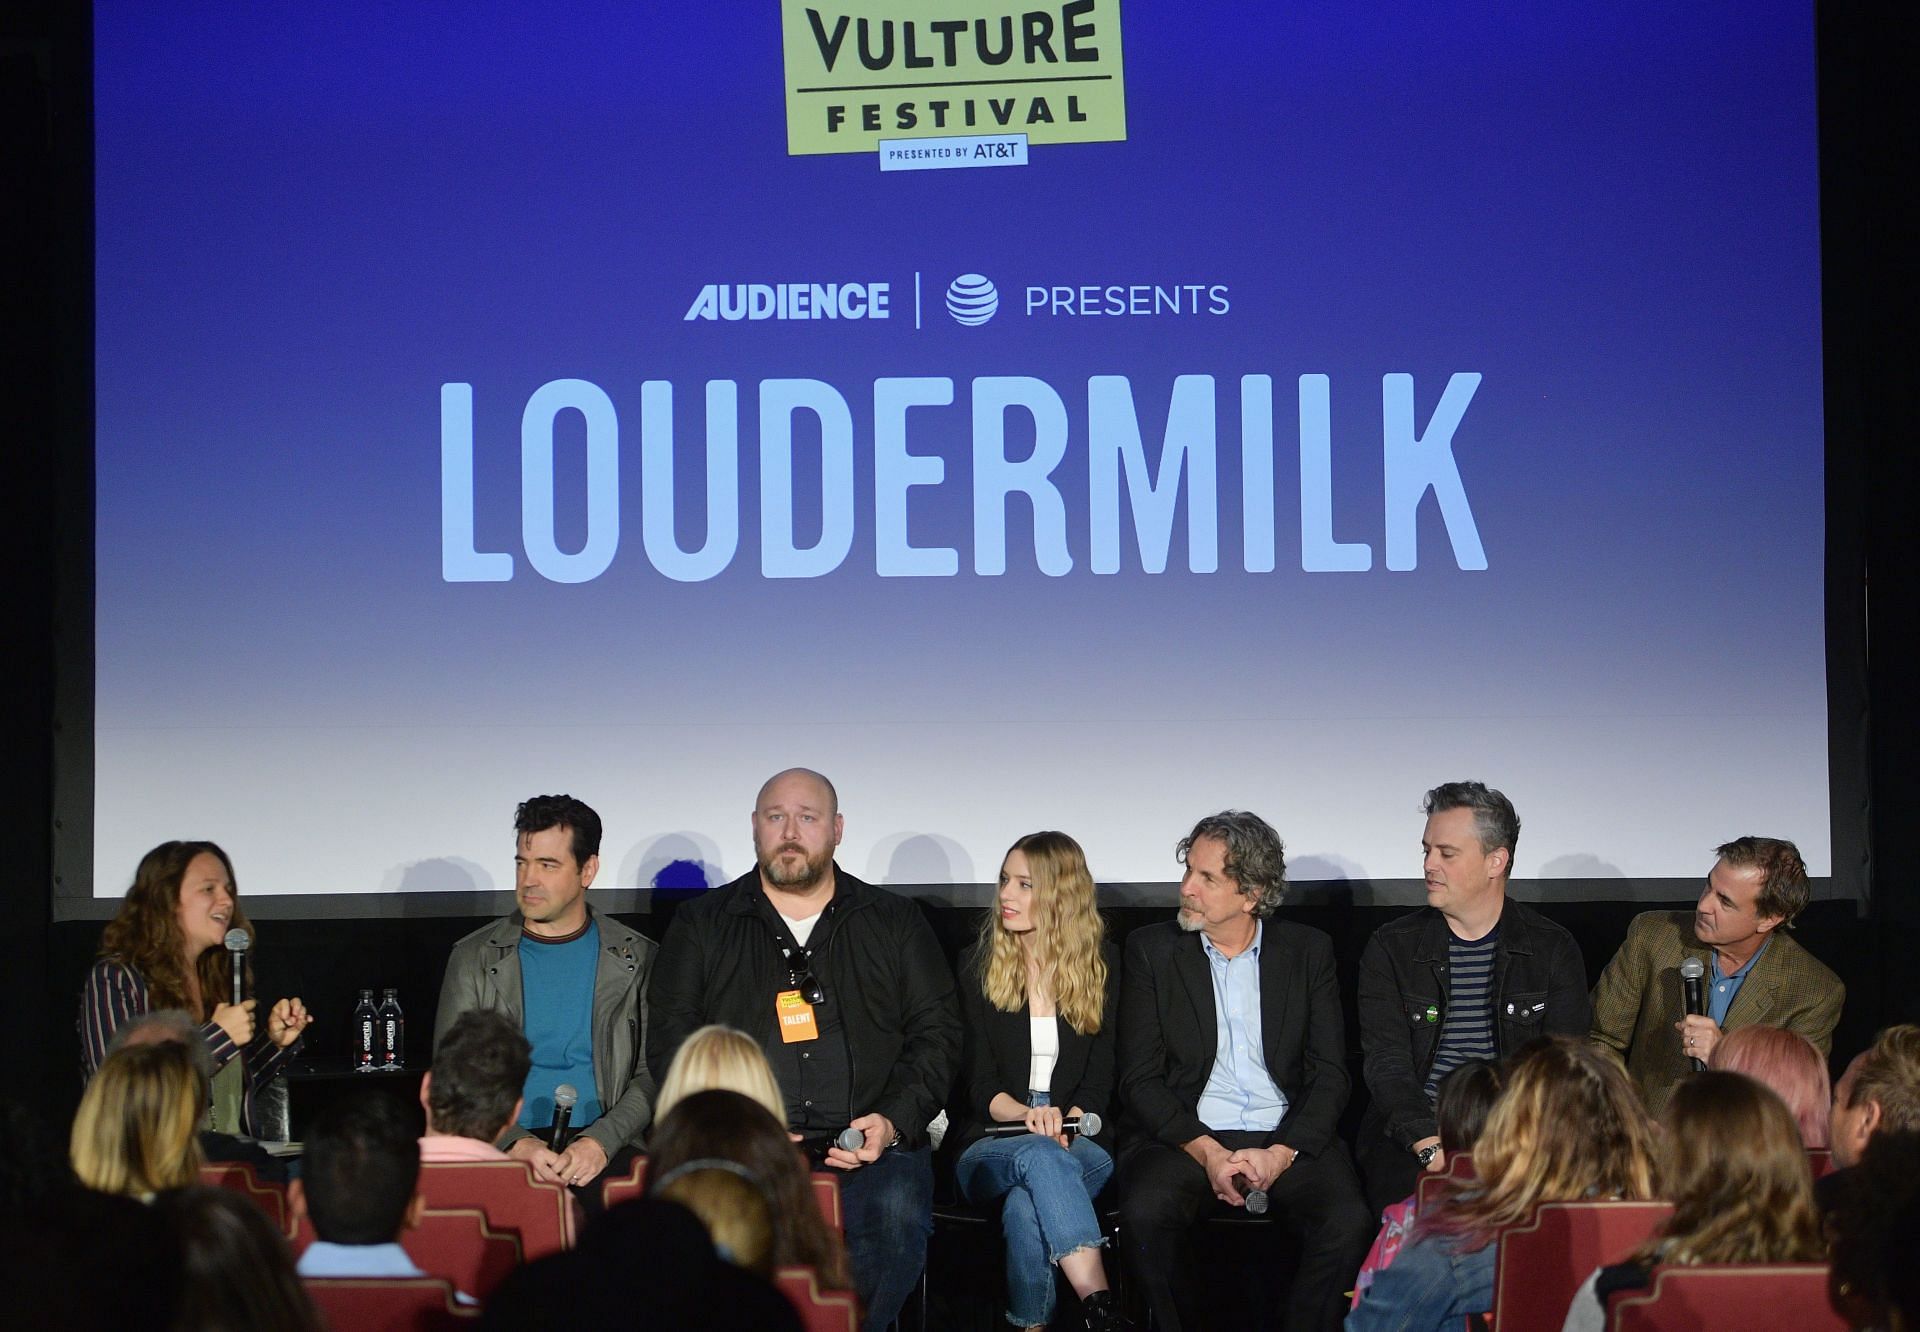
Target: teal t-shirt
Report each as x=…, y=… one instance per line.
x=556, y=985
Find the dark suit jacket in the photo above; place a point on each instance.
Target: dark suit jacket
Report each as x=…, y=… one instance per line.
x=999, y=1052
x=1167, y=1034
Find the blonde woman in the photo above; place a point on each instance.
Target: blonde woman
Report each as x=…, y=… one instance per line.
x=719, y=1058
x=1038, y=992
x=137, y=1131
x=1569, y=1126
x=1732, y=1162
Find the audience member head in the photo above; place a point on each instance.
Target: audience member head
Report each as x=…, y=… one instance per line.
x=171, y=923
x=1568, y=1126
x=137, y=1130
x=1786, y=1062
x=732, y=1127
x=1254, y=858
x=237, y=1272
x=648, y=1260
x=479, y=1068
x=1879, y=1092
x=33, y=1169
x=1733, y=1165
x=1463, y=1100
x=360, y=1173
x=731, y=1203
x=1875, y=1230
x=160, y=1027
x=719, y=1058
x=1044, y=910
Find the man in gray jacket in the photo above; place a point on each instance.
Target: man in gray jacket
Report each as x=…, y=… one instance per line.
x=575, y=982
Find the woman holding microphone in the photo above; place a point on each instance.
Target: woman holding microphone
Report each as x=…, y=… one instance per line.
x=165, y=950
x=1038, y=992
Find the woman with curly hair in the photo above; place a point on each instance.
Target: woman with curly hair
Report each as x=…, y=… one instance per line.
x=1038, y=992
x=164, y=950
x=1733, y=1164
x=1569, y=1126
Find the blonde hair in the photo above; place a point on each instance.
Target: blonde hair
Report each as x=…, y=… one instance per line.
x=1067, y=933
x=719, y=1058
x=1742, y=1189
x=732, y=1208
x=1569, y=1126
x=137, y=1130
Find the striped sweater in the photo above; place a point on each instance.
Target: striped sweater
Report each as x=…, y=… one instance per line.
x=115, y=994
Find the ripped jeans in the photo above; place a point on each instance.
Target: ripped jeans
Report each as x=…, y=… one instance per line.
x=1048, y=1212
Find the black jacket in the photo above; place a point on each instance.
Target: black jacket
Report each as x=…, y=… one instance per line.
x=720, y=962
x=1539, y=989
x=999, y=1053
x=1167, y=1034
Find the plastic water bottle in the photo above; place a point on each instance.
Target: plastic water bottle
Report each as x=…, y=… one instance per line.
x=393, y=1031
x=365, y=1034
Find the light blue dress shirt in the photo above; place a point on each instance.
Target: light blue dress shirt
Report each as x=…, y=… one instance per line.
x=1720, y=994
x=1239, y=1093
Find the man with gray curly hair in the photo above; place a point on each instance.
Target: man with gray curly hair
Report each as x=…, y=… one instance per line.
x=1232, y=1058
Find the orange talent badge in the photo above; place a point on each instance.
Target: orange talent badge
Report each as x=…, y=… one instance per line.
x=796, y=1017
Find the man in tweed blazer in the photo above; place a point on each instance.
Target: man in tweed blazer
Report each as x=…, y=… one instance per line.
x=1754, y=973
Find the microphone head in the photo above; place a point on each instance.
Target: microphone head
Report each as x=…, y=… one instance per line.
x=1257, y=1201
x=237, y=940
x=565, y=1096
x=1693, y=969
x=850, y=1140
x=1089, y=1124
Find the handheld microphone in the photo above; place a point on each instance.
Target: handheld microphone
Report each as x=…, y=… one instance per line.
x=1692, y=973
x=850, y=1140
x=565, y=1096
x=1087, y=1124
x=237, y=942
x=1257, y=1201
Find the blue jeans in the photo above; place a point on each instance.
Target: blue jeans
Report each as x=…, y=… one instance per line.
x=888, y=1207
x=1048, y=1211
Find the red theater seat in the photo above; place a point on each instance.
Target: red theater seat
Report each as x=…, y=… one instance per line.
x=1756, y=1295
x=538, y=1214
x=820, y=1310
x=1428, y=1190
x=1540, y=1263
x=388, y=1304
x=268, y=1196
x=826, y=1192
x=1822, y=1162
x=627, y=1187
x=460, y=1246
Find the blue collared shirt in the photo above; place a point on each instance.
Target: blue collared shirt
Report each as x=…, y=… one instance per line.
x=1720, y=996
x=322, y=1259
x=1239, y=1093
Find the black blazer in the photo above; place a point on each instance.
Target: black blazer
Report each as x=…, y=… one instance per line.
x=1167, y=1034
x=998, y=1053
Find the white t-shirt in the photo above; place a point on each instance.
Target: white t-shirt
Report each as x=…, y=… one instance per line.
x=802, y=928
x=1044, y=1033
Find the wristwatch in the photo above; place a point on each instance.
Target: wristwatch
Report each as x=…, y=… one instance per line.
x=1427, y=1153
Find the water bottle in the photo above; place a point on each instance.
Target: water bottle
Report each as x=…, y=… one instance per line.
x=365, y=1035
x=393, y=1031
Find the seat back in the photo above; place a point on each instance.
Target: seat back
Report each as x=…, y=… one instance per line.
x=1427, y=1192
x=1540, y=1264
x=460, y=1246
x=1821, y=1159
x=268, y=1195
x=627, y=1187
x=538, y=1214
x=387, y=1304
x=826, y=1192
x=1728, y=1295
x=820, y=1310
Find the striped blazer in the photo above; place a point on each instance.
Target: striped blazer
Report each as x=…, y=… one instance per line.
x=115, y=994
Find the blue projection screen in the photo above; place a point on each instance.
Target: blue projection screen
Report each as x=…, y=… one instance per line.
x=1082, y=415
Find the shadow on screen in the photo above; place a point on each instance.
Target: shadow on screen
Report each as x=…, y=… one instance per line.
x=921, y=858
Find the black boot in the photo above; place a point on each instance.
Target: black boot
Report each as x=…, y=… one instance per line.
x=1102, y=1313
